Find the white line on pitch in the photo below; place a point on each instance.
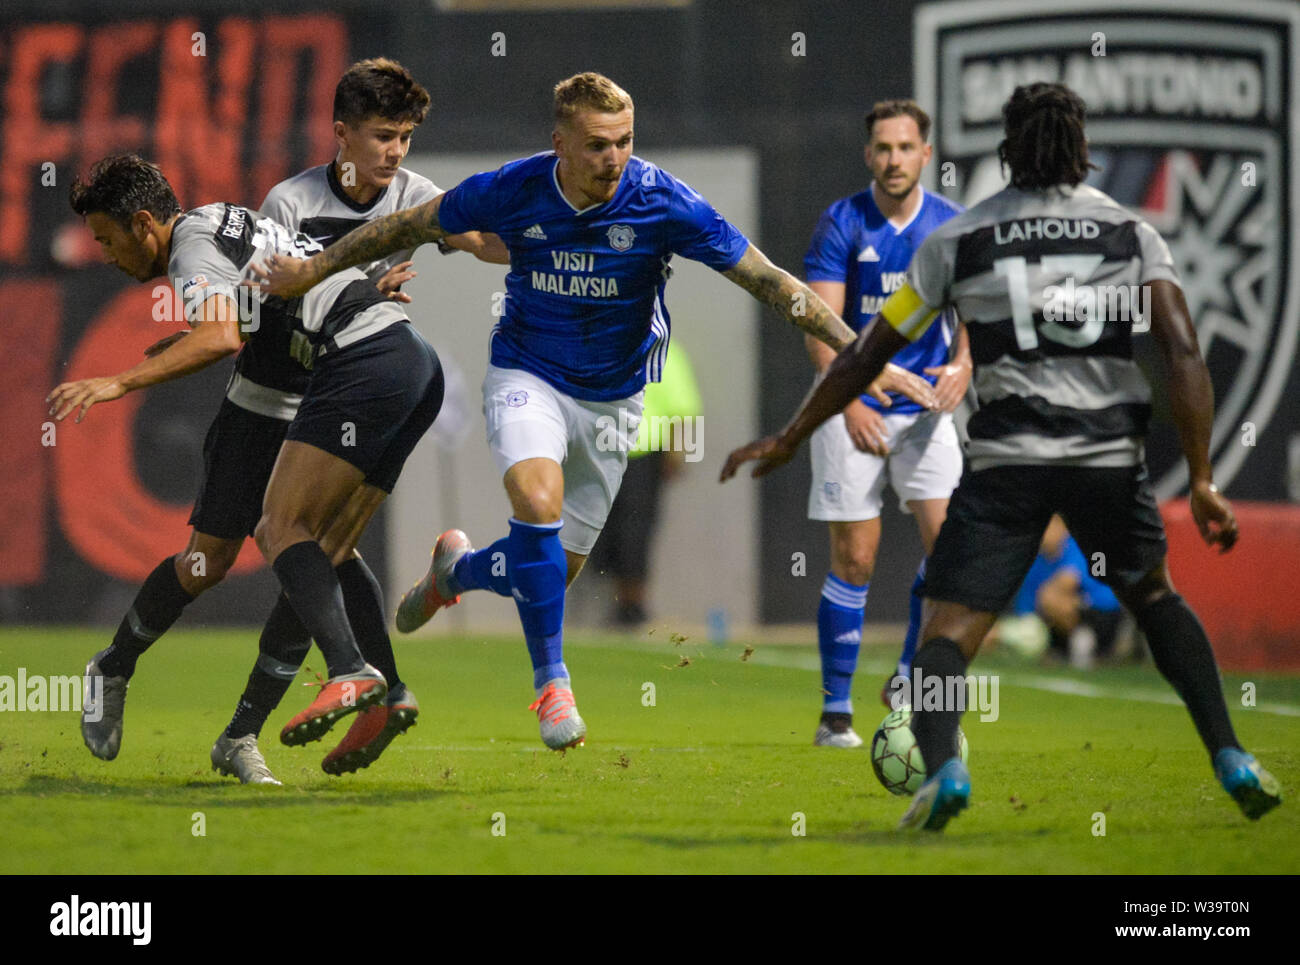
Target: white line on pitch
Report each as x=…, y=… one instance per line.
x=1056, y=685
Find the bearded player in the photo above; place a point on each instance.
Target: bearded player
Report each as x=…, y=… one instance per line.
x=858, y=257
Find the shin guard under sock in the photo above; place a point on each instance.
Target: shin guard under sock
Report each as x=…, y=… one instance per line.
x=1182, y=653
x=312, y=586
x=156, y=607
x=935, y=727
x=538, y=568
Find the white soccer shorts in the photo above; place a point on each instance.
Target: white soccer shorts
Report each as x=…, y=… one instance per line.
x=924, y=462
x=529, y=419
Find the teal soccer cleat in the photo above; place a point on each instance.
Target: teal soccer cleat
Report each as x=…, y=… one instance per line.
x=1254, y=789
x=940, y=798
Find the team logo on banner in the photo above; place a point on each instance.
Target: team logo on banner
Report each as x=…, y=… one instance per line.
x=1191, y=117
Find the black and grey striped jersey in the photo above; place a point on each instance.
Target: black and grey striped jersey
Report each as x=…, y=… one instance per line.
x=315, y=204
x=211, y=250
x=1051, y=287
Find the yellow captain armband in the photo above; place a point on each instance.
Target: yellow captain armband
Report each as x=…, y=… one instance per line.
x=907, y=313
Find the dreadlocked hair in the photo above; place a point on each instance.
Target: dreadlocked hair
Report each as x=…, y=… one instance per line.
x=1044, y=144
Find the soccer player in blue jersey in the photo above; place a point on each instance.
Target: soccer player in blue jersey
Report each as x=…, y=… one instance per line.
x=858, y=257
x=591, y=230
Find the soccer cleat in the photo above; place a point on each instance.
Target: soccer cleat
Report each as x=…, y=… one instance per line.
x=836, y=730
x=372, y=732
x=431, y=594
x=560, y=723
x=101, y=713
x=1254, y=789
x=940, y=798
x=341, y=695
x=239, y=757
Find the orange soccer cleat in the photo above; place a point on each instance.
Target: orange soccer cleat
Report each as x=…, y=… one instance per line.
x=561, y=726
x=341, y=695
x=372, y=732
x=431, y=594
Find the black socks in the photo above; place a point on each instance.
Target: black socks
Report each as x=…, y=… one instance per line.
x=312, y=586
x=365, y=606
x=936, y=730
x=156, y=607
x=1183, y=655
x=282, y=649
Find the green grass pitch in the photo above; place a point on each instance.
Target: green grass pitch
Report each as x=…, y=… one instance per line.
x=715, y=777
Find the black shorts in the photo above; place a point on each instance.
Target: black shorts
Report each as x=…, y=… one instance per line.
x=238, y=456
x=996, y=519
x=370, y=403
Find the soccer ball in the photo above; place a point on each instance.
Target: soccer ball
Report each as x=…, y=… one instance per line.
x=896, y=758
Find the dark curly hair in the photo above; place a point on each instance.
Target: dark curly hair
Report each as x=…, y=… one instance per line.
x=382, y=87
x=121, y=185
x=1044, y=144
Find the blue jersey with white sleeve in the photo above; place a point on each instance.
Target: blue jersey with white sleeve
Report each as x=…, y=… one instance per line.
x=856, y=244
x=584, y=307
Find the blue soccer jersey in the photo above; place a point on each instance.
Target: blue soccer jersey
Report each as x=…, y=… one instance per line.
x=584, y=306
x=856, y=244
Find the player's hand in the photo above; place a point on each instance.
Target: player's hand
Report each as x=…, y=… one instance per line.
x=282, y=275
x=164, y=343
x=866, y=428
x=771, y=453
x=894, y=378
x=84, y=393
x=1214, y=518
x=950, y=384
x=394, y=279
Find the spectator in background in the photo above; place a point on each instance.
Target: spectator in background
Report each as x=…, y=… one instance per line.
x=1078, y=613
x=666, y=435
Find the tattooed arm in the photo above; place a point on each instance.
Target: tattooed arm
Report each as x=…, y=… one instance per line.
x=791, y=297
x=803, y=307
x=410, y=228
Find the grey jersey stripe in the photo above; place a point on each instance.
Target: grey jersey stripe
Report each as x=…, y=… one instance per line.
x=1078, y=381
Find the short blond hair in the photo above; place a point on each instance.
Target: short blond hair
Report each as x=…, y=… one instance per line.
x=589, y=92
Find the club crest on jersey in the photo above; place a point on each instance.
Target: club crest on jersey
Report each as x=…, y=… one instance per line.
x=621, y=237
x=1193, y=122
x=517, y=398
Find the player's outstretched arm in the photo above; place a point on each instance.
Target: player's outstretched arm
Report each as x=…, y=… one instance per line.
x=848, y=374
x=483, y=245
x=1191, y=400
x=215, y=336
x=409, y=228
x=791, y=297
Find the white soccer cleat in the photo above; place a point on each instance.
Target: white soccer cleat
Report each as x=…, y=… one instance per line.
x=561, y=725
x=239, y=757
x=103, y=703
x=836, y=730
x=431, y=594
